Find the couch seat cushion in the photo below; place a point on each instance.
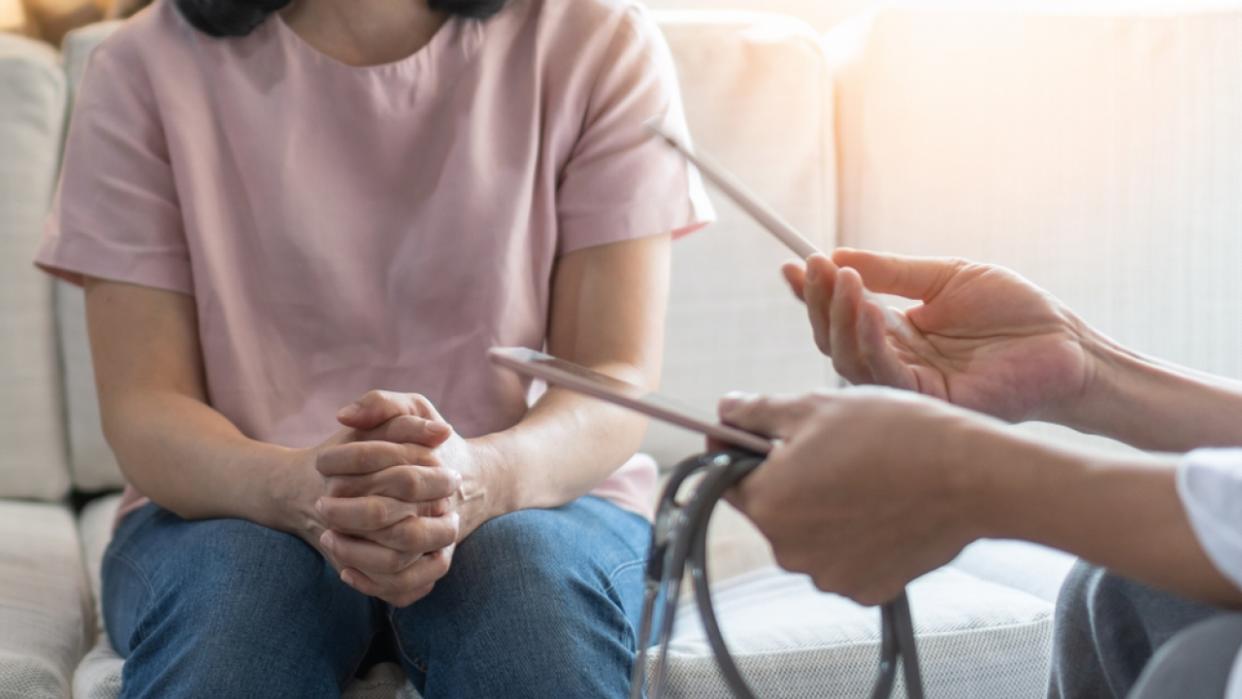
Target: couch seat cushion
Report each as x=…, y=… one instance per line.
x=976, y=638
x=43, y=600
x=1031, y=568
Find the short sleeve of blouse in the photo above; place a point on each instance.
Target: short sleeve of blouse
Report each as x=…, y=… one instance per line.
x=619, y=183
x=115, y=215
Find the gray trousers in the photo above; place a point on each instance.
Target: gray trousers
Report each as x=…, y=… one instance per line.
x=1116, y=638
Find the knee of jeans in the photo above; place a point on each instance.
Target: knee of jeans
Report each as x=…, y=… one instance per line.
x=523, y=564
x=231, y=573
x=237, y=609
x=522, y=593
x=517, y=546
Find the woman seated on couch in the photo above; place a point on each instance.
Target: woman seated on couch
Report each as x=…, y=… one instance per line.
x=277, y=207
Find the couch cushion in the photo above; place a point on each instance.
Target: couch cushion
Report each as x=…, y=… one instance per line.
x=1034, y=569
x=820, y=14
x=44, y=600
x=759, y=100
x=32, y=106
x=77, y=46
x=976, y=639
x=90, y=460
x=1099, y=154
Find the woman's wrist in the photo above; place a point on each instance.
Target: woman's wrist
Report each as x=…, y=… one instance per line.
x=488, y=489
x=287, y=497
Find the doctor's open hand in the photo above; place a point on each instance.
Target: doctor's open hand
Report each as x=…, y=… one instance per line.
x=868, y=488
x=983, y=337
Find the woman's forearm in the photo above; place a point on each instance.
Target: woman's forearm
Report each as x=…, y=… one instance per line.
x=1120, y=512
x=191, y=460
x=1155, y=405
x=564, y=447
x=170, y=443
x=607, y=314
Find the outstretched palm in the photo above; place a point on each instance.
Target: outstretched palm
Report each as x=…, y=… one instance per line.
x=984, y=338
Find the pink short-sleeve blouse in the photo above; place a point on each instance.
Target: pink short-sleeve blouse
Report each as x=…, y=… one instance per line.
x=347, y=228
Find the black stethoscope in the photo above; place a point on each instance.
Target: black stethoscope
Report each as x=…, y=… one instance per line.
x=679, y=541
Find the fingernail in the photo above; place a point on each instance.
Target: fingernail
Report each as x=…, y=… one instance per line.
x=438, y=428
x=326, y=539
x=349, y=412
x=319, y=505
x=812, y=273
x=347, y=578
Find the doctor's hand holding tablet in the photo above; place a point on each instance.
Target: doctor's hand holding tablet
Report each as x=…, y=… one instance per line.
x=868, y=488
x=874, y=488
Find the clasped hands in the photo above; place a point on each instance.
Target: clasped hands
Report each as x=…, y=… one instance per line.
x=387, y=504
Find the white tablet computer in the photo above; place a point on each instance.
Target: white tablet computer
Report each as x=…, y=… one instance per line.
x=559, y=372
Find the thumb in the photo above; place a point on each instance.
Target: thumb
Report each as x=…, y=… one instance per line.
x=375, y=408
x=912, y=277
x=771, y=416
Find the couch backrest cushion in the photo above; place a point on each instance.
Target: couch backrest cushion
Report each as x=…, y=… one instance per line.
x=32, y=108
x=91, y=461
x=759, y=100
x=1100, y=155
x=820, y=14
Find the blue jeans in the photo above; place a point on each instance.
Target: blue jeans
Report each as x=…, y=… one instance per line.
x=538, y=603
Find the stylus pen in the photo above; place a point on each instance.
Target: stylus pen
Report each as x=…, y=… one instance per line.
x=767, y=217
x=735, y=190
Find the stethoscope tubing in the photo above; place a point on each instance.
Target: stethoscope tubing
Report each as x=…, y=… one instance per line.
x=679, y=541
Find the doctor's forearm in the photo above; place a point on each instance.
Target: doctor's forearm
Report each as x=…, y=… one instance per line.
x=1120, y=512
x=1155, y=405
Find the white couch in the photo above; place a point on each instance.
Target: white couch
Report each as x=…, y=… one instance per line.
x=1098, y=154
